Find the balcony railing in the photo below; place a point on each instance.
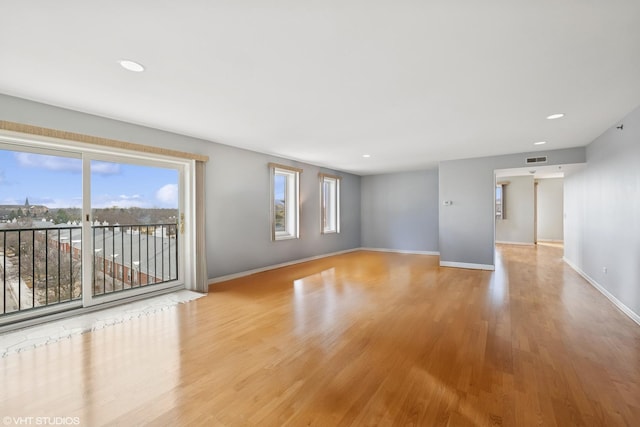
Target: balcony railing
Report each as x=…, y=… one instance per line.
x=42, y=267
x=132, y=256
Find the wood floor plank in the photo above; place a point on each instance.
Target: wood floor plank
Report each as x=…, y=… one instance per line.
x=364, y=338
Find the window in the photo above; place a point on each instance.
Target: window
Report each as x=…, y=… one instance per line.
x=285, y=202
x=330, y=203
x=500, y=205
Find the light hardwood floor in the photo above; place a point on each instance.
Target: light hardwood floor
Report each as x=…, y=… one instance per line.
x=364, y=338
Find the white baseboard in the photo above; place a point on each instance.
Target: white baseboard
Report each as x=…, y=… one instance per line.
x=621, y=306
x=274, y=266
x=467, y=265
x=399, y=251
x=550, y=241
x=502, y=242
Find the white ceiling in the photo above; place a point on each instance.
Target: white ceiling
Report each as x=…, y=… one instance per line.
x=409, y=82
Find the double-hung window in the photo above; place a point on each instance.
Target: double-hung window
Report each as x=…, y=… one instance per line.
x=285, y=202
x=329, y=203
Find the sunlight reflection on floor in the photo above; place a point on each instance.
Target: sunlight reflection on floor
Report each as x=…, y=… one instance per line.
x=36, y=336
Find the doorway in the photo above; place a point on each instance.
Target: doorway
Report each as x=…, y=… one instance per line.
x=531, y=205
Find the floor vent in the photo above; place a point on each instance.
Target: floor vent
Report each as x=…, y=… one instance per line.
x=535, y=160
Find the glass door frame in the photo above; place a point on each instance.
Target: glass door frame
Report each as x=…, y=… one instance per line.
x=25, y=146
x=186, y=244
x=88, y=298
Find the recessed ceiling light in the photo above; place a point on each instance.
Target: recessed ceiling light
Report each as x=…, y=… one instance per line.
x=366, y=156
x=540, y=143
x=555, y=116
x=131, y=65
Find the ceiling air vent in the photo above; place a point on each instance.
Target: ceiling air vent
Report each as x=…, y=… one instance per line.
x=536, y=160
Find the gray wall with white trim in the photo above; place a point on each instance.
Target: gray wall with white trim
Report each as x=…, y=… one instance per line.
x=466, y=232
x=550, y=208
x=400, y=211
x=518, y=223
x=237, y=193
x=602, y=208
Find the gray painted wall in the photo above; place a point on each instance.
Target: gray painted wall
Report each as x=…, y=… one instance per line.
x=518, y=225
x=400, y=211
x=466, y=232
x=237, y=194
x=550, y=209
x=602, y=207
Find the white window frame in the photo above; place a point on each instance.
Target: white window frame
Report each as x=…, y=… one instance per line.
x=291, y=202
x=329, y=213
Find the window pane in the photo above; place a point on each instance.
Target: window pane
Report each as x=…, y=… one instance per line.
x=499, y=202
x=135, y=225
x=330, y=214
x=280, y=200
x=326, y=203
x=40, y=232
x=284, y=203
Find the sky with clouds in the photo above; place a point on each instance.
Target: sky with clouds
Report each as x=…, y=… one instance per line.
x=56, y=182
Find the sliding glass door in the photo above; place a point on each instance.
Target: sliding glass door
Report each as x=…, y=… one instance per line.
x=135, y=230
x=81, y=227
